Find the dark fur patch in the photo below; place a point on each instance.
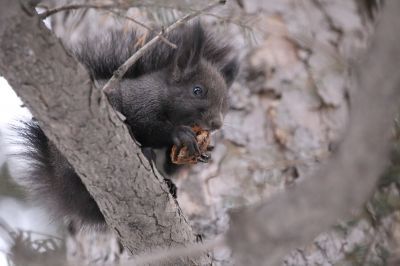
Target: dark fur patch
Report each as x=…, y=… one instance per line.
x=103, y=55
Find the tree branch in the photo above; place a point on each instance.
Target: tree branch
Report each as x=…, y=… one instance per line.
x=55, y=10
x=77, y=118
x=264, y=234
x=162, y=38
x=107, y=7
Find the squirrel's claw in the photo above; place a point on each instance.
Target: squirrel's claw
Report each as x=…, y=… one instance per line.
x=204, y=158
x=210, y=148
x=184, y=136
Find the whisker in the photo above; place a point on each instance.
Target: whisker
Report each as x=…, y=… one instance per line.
x=230, y=126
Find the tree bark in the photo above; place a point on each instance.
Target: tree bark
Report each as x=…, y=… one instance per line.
x=77, y=118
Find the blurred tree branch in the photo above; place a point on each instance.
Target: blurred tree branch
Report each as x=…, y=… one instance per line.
x=162, y=38
x=264, y=234
x=55, y=10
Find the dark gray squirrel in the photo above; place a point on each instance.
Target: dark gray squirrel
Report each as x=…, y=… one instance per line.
x=162, y=95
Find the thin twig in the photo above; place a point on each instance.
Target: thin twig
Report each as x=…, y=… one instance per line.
x=120, y=72
x=165, y=40
x=80, y=6
x=219, y=17
x=110, y=7
x=289, y=163
x=187, y=8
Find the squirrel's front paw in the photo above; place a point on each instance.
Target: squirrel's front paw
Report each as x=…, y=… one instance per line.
x=184, y=136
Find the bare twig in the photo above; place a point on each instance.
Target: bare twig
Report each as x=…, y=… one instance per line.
x=53, y=11
x=234, y=20
x=120, y=72
x=289, y=163
x=165, y=40
x=110, y=7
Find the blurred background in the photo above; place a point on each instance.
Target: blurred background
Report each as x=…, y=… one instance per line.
x=17, y=214
x=289, y=109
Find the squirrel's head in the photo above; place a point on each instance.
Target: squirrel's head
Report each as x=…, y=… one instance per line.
x=189, y=83
x=197, y=82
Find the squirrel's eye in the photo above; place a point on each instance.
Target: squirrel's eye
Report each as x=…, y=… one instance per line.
x=198, y=91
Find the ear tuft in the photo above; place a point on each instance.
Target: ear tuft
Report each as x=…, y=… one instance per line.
x=230, y=71
x=189, y=51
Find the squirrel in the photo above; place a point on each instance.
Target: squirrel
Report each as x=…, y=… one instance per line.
x=162, y=95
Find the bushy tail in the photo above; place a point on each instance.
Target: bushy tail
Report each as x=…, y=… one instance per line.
x=52, y=180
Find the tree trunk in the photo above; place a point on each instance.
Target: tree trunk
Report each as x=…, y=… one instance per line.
x=77, y=118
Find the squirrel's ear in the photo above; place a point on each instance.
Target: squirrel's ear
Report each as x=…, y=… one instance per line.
x=230, y=71
x=189, y=51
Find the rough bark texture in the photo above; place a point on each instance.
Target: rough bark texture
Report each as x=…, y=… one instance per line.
x=78, y=119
